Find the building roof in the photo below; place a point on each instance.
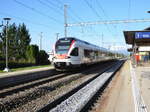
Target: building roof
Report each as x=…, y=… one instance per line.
x=148, y=28
x=130, y=38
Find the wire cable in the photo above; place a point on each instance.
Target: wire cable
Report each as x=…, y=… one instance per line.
x=54, y=4
x=96, y=13
x=60, y=8
x=90, y=6
x=52, y=8
x=73, y=12
x=23, y=19
x=105, y=14
x=37, y=11
x=129, y=9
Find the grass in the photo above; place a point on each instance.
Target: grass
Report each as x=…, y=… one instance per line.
x=26, y=68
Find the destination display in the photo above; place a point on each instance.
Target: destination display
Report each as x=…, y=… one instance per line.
x=63, y=47
x=64, y=41
x=142, y=35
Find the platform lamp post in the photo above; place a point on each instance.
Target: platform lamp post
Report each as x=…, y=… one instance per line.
x=7, y=22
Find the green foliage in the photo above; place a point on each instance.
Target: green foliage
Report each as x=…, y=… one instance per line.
x=43, y=57
x=13, y=64
x=23, y=39
x=19, y=49
x=32, y=54
x=18, y=40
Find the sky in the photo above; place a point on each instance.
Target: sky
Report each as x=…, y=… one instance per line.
x=47, y=16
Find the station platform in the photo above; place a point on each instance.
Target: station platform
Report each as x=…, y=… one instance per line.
x=129, y=91
x=21, y=72
x=16, y=77
x=143, y=80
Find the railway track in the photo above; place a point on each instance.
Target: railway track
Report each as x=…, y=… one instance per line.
x=22, y=86
x=34, y=95
x=14, y=88
x=77, y=99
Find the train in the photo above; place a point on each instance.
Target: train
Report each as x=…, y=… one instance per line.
x=70, y=52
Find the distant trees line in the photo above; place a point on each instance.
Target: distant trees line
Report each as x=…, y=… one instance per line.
x=19, y=48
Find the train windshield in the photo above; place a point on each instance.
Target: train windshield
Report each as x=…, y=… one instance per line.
x=63, y=45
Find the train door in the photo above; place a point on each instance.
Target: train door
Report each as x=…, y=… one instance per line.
x=81, y=55
x=75, y=57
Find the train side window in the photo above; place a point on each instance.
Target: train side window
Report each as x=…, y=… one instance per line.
x=74, y=52
x=87, y=53
x=96, y=53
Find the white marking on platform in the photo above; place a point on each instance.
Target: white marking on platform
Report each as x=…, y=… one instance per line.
x=145, y=67
x=138, y=99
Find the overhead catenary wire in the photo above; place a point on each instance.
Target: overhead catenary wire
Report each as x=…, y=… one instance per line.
x=129, y=9
x=59, y=1
x=37, y=11
x=97, y=14
x=73, y=12
x=23, y=19
x=50, y=7
x=93, y=9
x=55, y=6
x=102, y=9
x=104, y=12
x=109, y=22
x=128, y=13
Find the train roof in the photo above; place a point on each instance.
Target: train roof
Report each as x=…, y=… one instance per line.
x=87, y=43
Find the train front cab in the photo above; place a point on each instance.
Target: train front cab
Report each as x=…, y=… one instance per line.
x=66, y=54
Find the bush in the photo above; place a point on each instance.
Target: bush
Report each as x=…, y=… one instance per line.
x=14, y=65
x=33, y=57
x=43, y=58
x=32, y=54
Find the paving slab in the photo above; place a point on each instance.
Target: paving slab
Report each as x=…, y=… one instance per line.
x=118, y=95
x=143, y=79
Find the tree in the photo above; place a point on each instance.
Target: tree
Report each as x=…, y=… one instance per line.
x=2, y=42
x=23, y=38
x=18, y=40
x=11, y=41
x=42, y=57
x=1, y=47
x=32, y=54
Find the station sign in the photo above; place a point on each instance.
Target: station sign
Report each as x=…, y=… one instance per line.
x=142, y=35
x=144, y=48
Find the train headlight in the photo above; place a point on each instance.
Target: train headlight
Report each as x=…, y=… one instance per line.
x=66, y=57
x=67, y=63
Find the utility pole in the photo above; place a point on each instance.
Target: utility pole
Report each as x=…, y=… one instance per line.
x=65, y=20
x=41, y=40
x=57, y=36
x=7, y=22
x=102, y=39
x=1, y=24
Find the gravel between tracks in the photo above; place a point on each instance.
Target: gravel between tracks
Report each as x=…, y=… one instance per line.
x=51, y=96
x=77, y=101
x=34, y=98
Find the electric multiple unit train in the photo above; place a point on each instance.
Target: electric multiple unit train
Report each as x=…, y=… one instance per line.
x=71, y=52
